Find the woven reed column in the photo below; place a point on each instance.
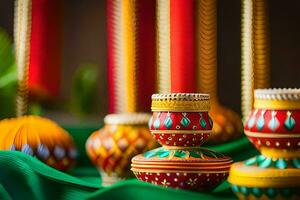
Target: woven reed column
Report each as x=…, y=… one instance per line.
x=131, y=54
x=22, y=28
x=247, y=58
x=38, y=44
x=261, y=44
x=227, y=124
x=163, y=46
x=255, y=50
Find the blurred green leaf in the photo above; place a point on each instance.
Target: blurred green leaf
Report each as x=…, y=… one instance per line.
x=6, y=52
x=8, y=76
x=84, y=89
x=36, y=109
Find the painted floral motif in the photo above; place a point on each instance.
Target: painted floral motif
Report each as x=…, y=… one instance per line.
x=157, y=122
x=274, y=123
x=195, y=153
x=251, y=121
x=280, y=163
x=202, y=121
x=261, y=120
x=168, y=121
x=185, y=121
x=290, y=122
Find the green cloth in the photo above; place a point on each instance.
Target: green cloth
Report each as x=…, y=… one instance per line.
x=24, y=177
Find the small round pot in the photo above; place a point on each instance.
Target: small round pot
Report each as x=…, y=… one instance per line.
x=251, y=180
x=180, y=120
x=122, y=137
x=196, y=169
x=273, y=125
x=41, y=138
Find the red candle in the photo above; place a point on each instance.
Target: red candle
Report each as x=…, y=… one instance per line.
x=110, y=56
x=45, y=48
x=182, y=31
x=146, y=53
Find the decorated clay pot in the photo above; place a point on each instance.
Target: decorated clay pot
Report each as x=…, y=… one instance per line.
x=250, y=181
x=194, y=169
x=122, y=137
x=273, y=125
x=273, y=128
x=180, y=120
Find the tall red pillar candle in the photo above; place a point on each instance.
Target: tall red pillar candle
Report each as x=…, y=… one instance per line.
x=146, y=53
x=182, y=36
x=45, y=48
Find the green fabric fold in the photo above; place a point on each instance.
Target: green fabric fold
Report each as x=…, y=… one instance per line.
x=24, y=177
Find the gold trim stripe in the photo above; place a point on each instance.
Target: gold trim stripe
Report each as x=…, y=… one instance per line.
x=180, y=162
x=180, y=147
x=276, y=104
x=180, y=132
x=279, y=153
x=180, y=106
x=176, y=171
x=272, y=135
x=251, y=176
x=179, y=167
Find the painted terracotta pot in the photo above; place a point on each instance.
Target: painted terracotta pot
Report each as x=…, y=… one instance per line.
x=122, y=137
x=251, y=181
x=273, y=125
x=180, y=120
x=192, y=169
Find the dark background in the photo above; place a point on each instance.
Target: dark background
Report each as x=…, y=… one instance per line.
x=84, y=41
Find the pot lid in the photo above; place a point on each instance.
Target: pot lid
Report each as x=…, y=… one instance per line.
x=193, y=159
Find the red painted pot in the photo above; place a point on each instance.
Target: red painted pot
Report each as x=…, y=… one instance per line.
x=273, y=125
x=193, y=169
x=180, y=120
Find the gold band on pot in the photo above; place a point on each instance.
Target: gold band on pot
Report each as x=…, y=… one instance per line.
x=180, y=102
x=280, y=153
x=251, y=176
x=276, y=104
x=277, y=99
